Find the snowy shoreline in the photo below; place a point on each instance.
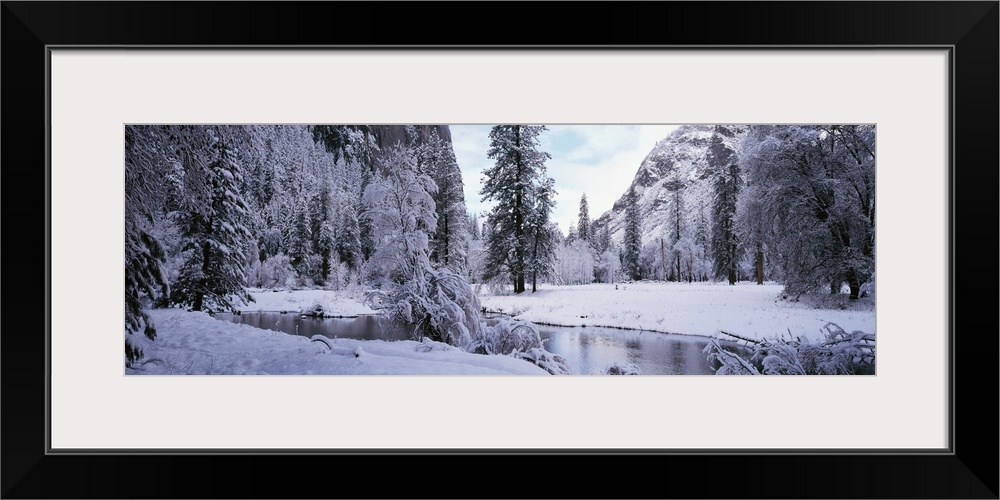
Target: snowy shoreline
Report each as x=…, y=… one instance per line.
x=197, y=343
x=693, y=309
x=698, y=309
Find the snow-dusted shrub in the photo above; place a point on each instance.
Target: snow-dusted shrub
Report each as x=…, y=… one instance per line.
x=730, y=362
x=575, y=263
x=133, y=351
x=316, y=309
x=520, y=340
x=839, y=353
x=137, y=350
x=868, y=289
x=607, y=268
x=506, y=337
x=499, y=287
x=552, y=363
x=442, y=306
x=341, y=275
x=276, y=271
x=622, y=369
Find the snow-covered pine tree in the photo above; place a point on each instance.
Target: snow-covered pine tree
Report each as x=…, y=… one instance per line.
x=473, y=226
x=603, y=241
x=726, y=247
x=213, y=224
x=145, y=256
x=542, y=233
x=436, y=157
x=299, y=237
x=322, y=230
x=583, y=220
x=356, y=151
x=701, y=245
x=632, y=243
x=511, y=184
x=677, y=229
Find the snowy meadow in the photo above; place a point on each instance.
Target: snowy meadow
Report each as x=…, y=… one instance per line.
x=356, y=250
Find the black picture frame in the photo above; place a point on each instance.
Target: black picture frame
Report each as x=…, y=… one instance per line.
x=967, y=470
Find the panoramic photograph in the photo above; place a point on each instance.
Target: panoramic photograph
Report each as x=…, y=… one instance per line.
x=499, y=249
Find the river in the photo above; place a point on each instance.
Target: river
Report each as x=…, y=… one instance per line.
x=587, y=350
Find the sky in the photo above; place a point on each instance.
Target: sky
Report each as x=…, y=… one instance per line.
x=599, y=160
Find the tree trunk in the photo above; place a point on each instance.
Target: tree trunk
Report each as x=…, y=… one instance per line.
x=199, y=296
x=760, y=264
x=446, y=239
x=854, y=284
x=678, y=257
x=325, y=269
x=663, y=262
x=518, y=218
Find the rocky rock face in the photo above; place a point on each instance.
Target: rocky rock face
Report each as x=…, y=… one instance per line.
x=688, y=160
x=388, y=135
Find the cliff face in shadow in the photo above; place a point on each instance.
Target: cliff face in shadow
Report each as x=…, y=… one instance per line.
x=409, y=135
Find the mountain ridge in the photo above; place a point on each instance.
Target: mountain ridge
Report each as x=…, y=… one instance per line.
x=687, y=159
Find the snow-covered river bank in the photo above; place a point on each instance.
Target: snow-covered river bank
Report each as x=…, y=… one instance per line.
x=196, y=343
x=746, y=309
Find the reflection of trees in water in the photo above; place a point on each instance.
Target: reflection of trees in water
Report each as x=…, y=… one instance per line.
x=590, y=349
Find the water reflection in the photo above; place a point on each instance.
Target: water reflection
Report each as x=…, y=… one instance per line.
x=370, y=327
x=590, y=350
x=587, y=350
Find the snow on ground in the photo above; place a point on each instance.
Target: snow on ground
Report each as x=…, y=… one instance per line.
x=198, y=344
x=745, y=309
x=334, y=303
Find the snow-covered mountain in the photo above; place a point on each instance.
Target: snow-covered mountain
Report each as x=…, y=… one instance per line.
x=687, y=159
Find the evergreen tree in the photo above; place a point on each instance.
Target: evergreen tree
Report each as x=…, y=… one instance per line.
x=676, y=233
x=322, y=231
x=213, y=225
x=542, y=234
x=603, y=240
x=702, y=242
x=437, y=159
x=513, y=183
x=726, y=248
x=145, y=255
x=348, y=235
x=583, y=222
x=299, y=237
x=632, y=243
x=473, y=226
